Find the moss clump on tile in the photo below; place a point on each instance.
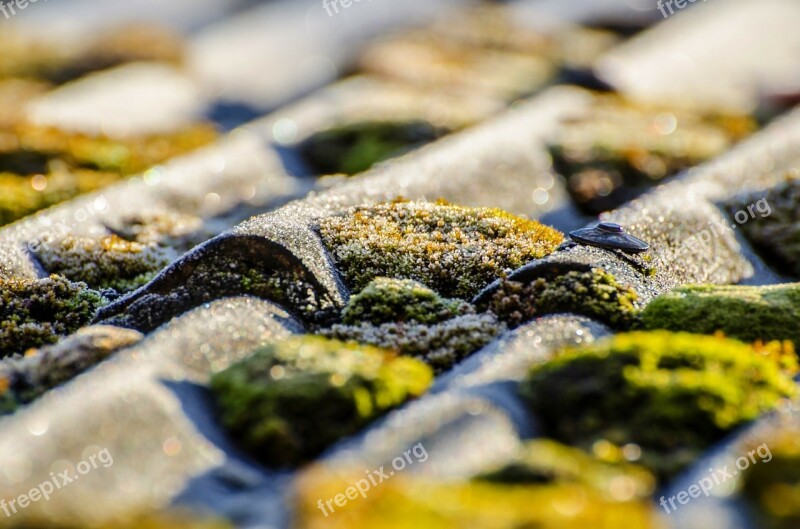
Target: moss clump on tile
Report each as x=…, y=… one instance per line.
x=27, y=378
x=773, y=225
x=108, y=262
x=746, y=313
x=617, y=148
x=415, y=503
x=440, y=345
x=454, y=250
x=595, y=294
x=673, y=394
x=412, y=320
x=292, y=399
x=543, y=461
x=774, y=488
x=34, y=313
x=387, y=300
x=353, y=148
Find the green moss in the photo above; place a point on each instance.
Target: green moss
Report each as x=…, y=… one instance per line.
x=387, y=300
x=354, y=148
x=595, y=294
x=775, y=224
x=746, y=313
x=292, y=399
x=109, y=262
x=543, y=461
x=619, y=148
x=454, y=250
x=772, y=485
x=412, y=320
x=674, y=394
x=440, y=345
x=37, y=312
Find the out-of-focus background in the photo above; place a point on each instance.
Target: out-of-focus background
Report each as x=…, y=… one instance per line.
x=161, y=126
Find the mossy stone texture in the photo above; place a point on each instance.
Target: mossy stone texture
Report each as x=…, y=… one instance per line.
x=292, y=399
x=34, y=313
x=410, y=319
x=594, y=293
x=674, y=394
x=107, y=262
x=452, y=249
x=747, y=313
x=386, y=300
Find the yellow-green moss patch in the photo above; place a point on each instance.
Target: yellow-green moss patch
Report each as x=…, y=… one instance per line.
x=454, y=250
x=404, y=502
x=674, y=394
x=292, y=399
x=387, y=300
